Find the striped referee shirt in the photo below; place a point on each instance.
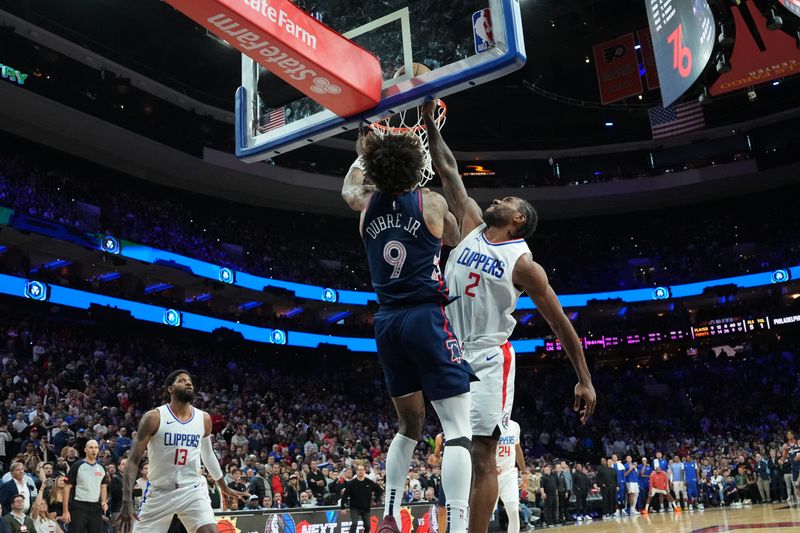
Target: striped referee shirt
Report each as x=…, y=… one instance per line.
x=87, y=478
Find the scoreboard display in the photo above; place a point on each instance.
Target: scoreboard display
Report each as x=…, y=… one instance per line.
x=683, y=34
x=792, y=5
x=728, y=326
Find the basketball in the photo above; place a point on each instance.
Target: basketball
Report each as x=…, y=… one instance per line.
x=418, y=69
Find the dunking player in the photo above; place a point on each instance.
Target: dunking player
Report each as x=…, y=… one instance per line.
x=488, y=271
x=510, y=466
x=176, y=436
x=402, y=230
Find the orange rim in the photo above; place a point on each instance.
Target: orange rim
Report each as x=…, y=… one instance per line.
x=438, y=119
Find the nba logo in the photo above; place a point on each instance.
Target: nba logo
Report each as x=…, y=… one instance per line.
x=482, y=30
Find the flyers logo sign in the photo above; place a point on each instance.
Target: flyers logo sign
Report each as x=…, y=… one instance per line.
x=454, y=346
x=613, y=52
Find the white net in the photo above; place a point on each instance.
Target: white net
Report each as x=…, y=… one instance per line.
x=410, y=122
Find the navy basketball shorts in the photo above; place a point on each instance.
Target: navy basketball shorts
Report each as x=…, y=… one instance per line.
x=419, y=351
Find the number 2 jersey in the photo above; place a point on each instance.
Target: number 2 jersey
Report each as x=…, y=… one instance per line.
x=479, y=274
x=173, y=452
x=402, y=253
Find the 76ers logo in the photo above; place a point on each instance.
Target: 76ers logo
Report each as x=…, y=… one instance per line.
x=455, y=350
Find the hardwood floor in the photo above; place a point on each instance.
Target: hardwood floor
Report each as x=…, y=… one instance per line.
x=777, y=517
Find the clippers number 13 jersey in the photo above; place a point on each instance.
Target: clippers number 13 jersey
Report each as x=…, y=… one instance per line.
x=479, y=273
x=174, y=451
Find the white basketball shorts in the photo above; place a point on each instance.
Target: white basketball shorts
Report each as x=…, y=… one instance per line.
x=191, y=504
x=493, y=395
x=508, y=487
x=678, y=487
x=633, y=488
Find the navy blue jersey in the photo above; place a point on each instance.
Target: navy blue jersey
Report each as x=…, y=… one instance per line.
x=403, y=255
x=792, y=451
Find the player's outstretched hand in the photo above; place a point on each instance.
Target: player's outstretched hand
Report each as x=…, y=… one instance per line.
x=231, y=493
x=428, y=108
x=124, y=522
x=585, y=393
x=363, y=131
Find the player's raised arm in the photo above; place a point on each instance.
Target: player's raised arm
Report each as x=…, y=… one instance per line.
x=354, y=191
x=439, y=218
x=147, y=428
x=532, y=278
x=466, y=210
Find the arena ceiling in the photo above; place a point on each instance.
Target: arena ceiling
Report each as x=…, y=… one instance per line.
x=148, y=36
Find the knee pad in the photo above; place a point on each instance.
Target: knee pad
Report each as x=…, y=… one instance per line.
x=464, y=442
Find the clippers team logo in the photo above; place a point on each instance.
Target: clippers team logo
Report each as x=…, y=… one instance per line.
x=455, y=351
x=613, y=52
x=506, y=419
x=482, y=30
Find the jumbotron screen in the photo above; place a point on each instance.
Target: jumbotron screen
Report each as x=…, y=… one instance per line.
x=792, y=5
x=683, y=39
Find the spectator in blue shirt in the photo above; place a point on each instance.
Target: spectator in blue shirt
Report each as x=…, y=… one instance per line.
x=123, y=442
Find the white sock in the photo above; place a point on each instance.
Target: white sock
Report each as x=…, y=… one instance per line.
x=456, y=480
x=512, y=510
x=398, y=459
x=453, y=414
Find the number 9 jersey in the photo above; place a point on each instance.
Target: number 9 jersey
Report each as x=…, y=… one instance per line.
x=479, y=273
x=403, y=255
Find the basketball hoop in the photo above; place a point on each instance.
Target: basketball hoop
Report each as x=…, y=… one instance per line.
x=411, y=122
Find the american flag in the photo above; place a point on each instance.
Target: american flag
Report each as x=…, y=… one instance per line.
x=676, y=119
x=274, y=119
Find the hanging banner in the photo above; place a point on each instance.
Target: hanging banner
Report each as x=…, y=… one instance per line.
x=617, y=69
x=648, y=58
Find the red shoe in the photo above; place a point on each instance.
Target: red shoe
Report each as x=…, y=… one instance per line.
x=388, y=525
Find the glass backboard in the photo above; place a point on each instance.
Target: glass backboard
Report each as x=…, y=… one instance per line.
x=465, y=43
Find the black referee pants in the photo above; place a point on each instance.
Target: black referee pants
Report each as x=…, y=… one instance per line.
x=85, y=517
x=355, y=516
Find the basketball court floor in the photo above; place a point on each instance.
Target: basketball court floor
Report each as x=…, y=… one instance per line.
x=777, y=517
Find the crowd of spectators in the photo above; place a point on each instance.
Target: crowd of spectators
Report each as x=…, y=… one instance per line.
x=292, y=431
x=692, y=243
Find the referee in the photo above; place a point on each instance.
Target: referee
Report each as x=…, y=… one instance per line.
x=359, y=493
x=83, y=509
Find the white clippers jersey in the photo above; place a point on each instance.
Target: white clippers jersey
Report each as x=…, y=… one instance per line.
x=173, y=453
x=507, y=447
x=480, y=274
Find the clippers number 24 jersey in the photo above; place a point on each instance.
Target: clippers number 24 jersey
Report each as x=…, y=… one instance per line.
x=479, y=274
x=174, y=451
x=507, y=447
